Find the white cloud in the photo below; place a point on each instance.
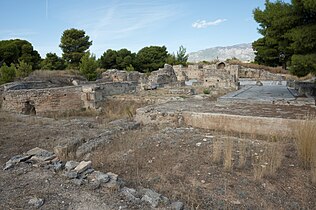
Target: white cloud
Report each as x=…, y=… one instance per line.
x=204, y=24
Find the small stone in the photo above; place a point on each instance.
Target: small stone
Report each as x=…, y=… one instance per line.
x=103, y=178
x=41, y=154
x=204, y=140
x=130, y=194
x=86, y=173
x=57, y=166
x=209, y=136
x=113, y=180
x=71, y=165
x=236, y=202
x=177, y=205
x=113, y=176
x=83, y=165
x=291, y=165
x=36, y=202
x=71, y=174
x=94, y=184
x=77, y=182
x=198, y=144
x=165, y=200
x=151, y=197
x=203, y=181
x=8, y=165
x=15, y=160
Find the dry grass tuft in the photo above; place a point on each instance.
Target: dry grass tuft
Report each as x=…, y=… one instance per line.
x=305, y=136
x=267, y=161
x=217, y=151
x=242, y=148
x=228, y=153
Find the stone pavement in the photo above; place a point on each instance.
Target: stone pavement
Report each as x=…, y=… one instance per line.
x=265, y=93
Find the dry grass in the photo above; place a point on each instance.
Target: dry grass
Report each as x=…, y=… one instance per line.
x=274, y=70
x=228, y=153
x=242, y=148
x=117, y=109
x=267, y=161
x=217, y=151
x=54, y=73
x=305, y=136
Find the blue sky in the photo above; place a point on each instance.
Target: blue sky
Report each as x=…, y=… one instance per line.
x=131, y=24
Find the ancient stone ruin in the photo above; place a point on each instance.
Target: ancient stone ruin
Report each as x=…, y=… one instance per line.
x=218, y=76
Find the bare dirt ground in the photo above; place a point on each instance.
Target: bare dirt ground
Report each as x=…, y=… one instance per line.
x=204, y=169
x=18, y=185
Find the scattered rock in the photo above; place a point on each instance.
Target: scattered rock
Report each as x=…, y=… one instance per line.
x=36, y=202
x=86, y=173
x=71, y=165
x=39, y=154
x=151, y=197
x=177, y=205
x=198, y=144
x=130, y=194
x=83, y=165
x=57, y=166
x=236, y=202
x=113, y=180
x=71, y=174
x=94, y=184
x=15, y=160
x=77, y=182
x=8, y=165
x=102, y=177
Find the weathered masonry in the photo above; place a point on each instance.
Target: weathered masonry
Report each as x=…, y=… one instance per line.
x=218, y=76
x=34, y=98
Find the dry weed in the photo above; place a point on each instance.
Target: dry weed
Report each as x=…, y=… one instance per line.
x=217, y=151
x=228, y=152
x=242, y=148
x=305, y=136
x=267, y=161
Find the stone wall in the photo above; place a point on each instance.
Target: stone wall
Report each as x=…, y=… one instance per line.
x=161, y=77
x=42, y=101
x=62, y=99
x=267, y=126
x=216, y=76
x=258, y=74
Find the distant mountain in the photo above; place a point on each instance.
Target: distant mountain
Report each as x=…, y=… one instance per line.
x=243, y=52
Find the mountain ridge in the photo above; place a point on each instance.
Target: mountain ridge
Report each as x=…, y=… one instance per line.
x=243, y=52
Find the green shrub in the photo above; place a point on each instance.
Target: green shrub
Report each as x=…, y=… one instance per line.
x=206, y=91
x=7, y=74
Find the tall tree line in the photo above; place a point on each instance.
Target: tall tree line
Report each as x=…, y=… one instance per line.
x=289, y=35
x=18, y=58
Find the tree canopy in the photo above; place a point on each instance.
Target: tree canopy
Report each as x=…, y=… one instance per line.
x=88, y=66
x=53, y=62
x=151, y=58
x=74, y=44
x=13, y=51
x=288, y=31
x=121, y=59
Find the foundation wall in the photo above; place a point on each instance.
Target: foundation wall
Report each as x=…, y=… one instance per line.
x=243, y=124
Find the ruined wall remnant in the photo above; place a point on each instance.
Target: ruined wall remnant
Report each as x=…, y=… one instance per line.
x=42, y=100
x=216, y=76
x=61, y=99
x=160, y=78
x=259, y=74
